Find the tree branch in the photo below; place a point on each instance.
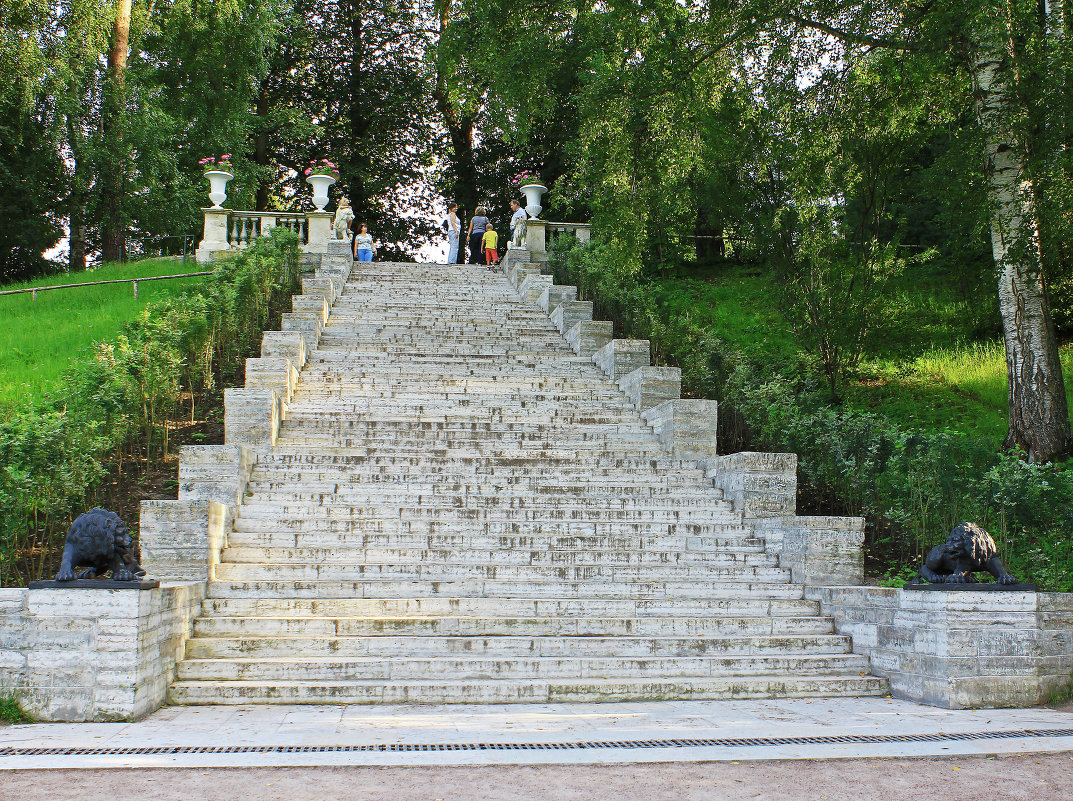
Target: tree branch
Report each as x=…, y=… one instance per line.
x=849, y=36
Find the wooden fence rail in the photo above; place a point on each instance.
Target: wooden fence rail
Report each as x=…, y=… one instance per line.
x=35, y=289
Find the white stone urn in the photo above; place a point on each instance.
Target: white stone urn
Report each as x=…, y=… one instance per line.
x=532, y=194
x=218, y=186
x=320, y=184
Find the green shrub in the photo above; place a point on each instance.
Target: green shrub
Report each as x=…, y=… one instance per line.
x=120, y=401
x=911, y=486
x=11, y=710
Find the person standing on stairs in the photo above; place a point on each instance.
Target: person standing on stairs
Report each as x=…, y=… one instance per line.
x=454, y=230
x=477, y=225
x=490, y=243
x=363, y=244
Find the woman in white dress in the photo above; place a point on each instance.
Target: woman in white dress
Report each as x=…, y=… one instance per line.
x=454, y=228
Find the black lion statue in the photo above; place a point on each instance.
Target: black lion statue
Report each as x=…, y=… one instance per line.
x=968, y=550
x=99, y=541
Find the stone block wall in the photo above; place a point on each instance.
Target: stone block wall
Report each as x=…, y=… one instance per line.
x=181, y=540
x=650, y=386
x=958, y=649
x=686, y=427
x=818, y=550
x=94, y=654
x=759, y=484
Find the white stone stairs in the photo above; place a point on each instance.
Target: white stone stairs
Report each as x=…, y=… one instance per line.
x=445, y=485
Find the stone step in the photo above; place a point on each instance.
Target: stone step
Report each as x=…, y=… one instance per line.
x=612, y=649
x=247, y=626
x=727, y=557
x=256, y=518
x=487, y=691
x=561, y=608
x=404, y=535
x=393, y=667
x=690, y=588
x=363, y=501
x=550, y=572
x=551, y=459
x=504, y=481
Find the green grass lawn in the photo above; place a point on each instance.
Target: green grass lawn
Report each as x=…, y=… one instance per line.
x=923, y=368
x=40, y=338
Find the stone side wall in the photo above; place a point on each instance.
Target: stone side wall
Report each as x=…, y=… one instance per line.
x=959, y=649
x=181, y=540
x=818, y=550
x=94, y=654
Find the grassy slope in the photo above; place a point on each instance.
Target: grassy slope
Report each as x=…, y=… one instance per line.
x=40, y=338
x=922, y=368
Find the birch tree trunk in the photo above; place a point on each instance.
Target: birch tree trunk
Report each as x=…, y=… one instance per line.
x=1039, y=414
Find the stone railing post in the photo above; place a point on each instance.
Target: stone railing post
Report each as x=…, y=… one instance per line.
x=213, y=235
x=319, y=231
x=536, y=240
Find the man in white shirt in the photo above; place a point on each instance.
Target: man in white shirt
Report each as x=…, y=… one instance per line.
x=517, y=223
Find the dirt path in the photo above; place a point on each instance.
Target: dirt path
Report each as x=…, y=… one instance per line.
x=1040, y=777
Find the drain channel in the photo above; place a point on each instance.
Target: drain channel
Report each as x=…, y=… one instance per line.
x=732, y=742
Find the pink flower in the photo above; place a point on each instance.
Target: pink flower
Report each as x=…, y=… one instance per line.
x=225, y=156
x=308, y=170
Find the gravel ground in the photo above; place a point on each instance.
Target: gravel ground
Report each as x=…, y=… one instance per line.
x=1032, y=777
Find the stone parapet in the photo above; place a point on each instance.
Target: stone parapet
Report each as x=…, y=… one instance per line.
x=512, y=258
x=277, y=374
x=758, y=484
x=588, y=336
x=818, y=550
x=181, y=540
x=310, y=327
x=534, y=286
x=569, y=313
x=522, y=272
x=320, y=286
x=958, y=649
x=686, y=427
x=94, y=654
x=338, y=247
x=285, y=345
x=214, y=473
x=621, y=356
x=553, y=295
x=650, y=386
x=315, y=306
x=251, y=416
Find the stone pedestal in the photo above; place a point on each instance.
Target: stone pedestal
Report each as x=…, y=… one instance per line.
x=94, y=654
x=320, y=231
x=958, y=649
x=536, y=240
x=214, y=234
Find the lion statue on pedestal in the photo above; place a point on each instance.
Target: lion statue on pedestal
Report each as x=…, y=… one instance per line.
x=99, y=541
x=968, y=550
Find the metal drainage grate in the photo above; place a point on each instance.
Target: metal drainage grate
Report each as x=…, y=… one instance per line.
x=730, y=742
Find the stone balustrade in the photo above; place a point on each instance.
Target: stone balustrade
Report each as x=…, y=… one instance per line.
x=227, y=231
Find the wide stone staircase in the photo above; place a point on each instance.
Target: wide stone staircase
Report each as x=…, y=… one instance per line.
x=461, y=508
